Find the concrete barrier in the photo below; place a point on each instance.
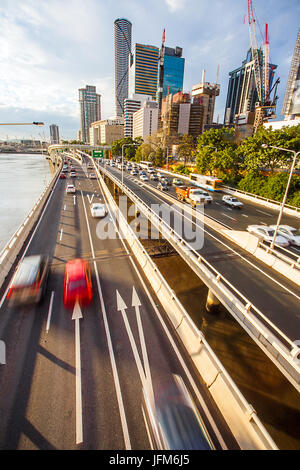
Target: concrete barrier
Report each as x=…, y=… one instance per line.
x=239, y=415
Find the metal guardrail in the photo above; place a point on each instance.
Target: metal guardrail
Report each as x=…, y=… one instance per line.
x=275, y=343
x=247, y=429
x=255, y=196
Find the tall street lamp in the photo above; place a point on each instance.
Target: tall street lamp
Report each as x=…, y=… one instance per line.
x=21, y=123
x=287, y=186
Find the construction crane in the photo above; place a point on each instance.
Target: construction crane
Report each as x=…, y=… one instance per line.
x=264, y=107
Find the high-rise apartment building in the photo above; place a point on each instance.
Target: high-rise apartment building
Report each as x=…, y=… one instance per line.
x=90, y=109
x=145, y=120
x=143, y=70
x=54, y=134
x=242, y=93
x=122, y=39
x=205, y=93
x=131, y=105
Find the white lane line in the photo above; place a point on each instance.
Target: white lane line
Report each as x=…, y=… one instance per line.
x=227, y=246
x=226, y=215
x=244, y=215
x=65, y=207
x=265, y=213
x=263, y=223
x=74, y=199
x=176, y=350
x=77, y=315
x=50, y=312
x=61, y=234
x=109, y=342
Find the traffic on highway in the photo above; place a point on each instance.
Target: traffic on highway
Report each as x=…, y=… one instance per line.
x=268, y=290
x=92, y=361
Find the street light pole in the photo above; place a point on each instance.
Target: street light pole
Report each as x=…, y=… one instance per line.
x=21, y=123
x=287, y=187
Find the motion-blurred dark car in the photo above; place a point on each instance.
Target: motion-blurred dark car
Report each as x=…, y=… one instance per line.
x=162, y=186
x=172, y=419
x=29, y=282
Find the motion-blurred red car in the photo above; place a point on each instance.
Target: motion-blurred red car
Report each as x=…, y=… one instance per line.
x=62, y=176
x=77, y=283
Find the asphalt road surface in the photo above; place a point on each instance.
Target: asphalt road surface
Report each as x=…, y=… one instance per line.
x=77, y=383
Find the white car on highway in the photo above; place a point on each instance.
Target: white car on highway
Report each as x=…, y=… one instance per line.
x=92, y=176
x=291, y=233
x=144, y=177
x=207, y=196
x=267, y=234
x=232, y=202
x=98, y=210
x=70, y=189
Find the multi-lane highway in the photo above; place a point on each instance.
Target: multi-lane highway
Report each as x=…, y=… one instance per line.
x=74, y=379
x=274, y=295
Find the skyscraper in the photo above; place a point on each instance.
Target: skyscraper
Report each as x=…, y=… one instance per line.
x=122, y=38
x=173, y=71
x=143, y=70
x=90, y=109
x=54, y=134
x=291, y=103
x=242, y=93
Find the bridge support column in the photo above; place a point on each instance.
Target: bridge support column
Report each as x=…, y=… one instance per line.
x=212, y=302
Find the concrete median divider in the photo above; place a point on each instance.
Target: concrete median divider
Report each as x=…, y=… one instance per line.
x=10, y=252
x=239, y=415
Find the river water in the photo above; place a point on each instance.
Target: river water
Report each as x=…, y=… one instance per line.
x=23, y=178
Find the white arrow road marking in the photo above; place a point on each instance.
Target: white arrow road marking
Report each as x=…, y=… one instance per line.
x=50, y=312
x=136, y=303
x=90, y=198
x=109, y=341
x=121, y=306
x=77, y=315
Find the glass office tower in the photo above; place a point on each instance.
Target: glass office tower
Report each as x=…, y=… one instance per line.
x=173, y=71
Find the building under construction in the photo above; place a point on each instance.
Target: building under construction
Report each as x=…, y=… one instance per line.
x=291, y=103
x=180, y=116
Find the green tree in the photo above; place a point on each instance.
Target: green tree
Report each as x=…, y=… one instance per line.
x=256, y=157
x=159, y=157
x=216, y=151
x=186, y=148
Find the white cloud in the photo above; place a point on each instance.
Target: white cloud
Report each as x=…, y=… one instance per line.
x=175, y=5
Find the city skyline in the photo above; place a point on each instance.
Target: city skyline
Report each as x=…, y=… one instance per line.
x=37, y=83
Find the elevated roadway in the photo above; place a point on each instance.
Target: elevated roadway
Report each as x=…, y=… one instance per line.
x=271, y=293
x=81, y=388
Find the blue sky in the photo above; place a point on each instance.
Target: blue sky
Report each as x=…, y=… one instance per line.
x=50, y=48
